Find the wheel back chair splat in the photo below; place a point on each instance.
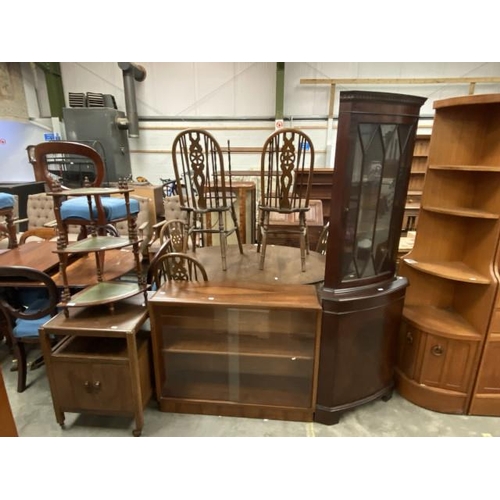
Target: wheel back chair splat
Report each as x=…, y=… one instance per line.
x=175, y=266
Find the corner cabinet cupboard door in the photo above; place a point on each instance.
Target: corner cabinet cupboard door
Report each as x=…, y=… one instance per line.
x=448, y=364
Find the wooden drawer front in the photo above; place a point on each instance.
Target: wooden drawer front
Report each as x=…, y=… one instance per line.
x=93, y=386
x=408, y=345
x=447, y=363
x=489, y=375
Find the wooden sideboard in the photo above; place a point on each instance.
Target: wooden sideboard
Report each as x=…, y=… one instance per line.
x=321, y=188
x=282, y=222
x=233, y=349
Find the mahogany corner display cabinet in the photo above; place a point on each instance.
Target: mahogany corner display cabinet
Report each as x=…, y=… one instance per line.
x=449, y=345
x=362, y=298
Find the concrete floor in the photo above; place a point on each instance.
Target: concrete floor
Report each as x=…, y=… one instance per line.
x=34, y=416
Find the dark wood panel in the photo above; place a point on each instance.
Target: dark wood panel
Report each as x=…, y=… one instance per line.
x=7, y=423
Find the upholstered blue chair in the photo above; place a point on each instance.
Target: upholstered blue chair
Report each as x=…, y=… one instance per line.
x=104, y=210
x=7, y=202
x=28, y=299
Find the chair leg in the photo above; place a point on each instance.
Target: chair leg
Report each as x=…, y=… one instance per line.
x=20, y=355
x=191, y=227
x=259, y=231
x=264, y=227
x=307, y=238
x=302, y=242
x=223, y=241
x=236, y=225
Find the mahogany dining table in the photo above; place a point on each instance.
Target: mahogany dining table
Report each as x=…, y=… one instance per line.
x=41, y=255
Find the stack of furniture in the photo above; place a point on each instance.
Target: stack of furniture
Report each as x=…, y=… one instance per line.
x=450, y=340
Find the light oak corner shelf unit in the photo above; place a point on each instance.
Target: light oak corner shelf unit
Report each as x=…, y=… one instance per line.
x=449, y=345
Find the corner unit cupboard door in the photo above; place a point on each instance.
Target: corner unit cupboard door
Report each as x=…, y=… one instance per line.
x=453, y=267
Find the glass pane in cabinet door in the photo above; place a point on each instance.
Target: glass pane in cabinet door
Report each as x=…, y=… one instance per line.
x=375, y=168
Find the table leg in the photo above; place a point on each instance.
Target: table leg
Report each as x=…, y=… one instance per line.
x=133, y=359
x=47, y=353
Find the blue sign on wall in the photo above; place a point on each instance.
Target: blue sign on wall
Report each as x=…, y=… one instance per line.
x=51, y=137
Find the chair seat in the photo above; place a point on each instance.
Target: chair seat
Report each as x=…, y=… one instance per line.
x=114, y=208
x=29, y=328
x=6, y=200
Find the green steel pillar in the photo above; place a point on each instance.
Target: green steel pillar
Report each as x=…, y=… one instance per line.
x=280, y=90
x=55, y=91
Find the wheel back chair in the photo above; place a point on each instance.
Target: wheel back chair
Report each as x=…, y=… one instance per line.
x=286, y=153
x=204, y=188
x=28, y=299
x=176, y=266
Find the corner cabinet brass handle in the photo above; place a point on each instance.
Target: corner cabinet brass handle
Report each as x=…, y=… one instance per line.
x=409, y=338
x=88, y=386
x=437, y=350
x=97, y=386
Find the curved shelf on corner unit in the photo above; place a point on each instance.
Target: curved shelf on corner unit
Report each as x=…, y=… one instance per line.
x=462, y=212
x=440, y=322
x=105, y=292
x=457, y=271
x=466, y=168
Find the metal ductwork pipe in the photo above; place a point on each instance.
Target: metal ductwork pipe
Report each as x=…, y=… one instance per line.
x=131, y=72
